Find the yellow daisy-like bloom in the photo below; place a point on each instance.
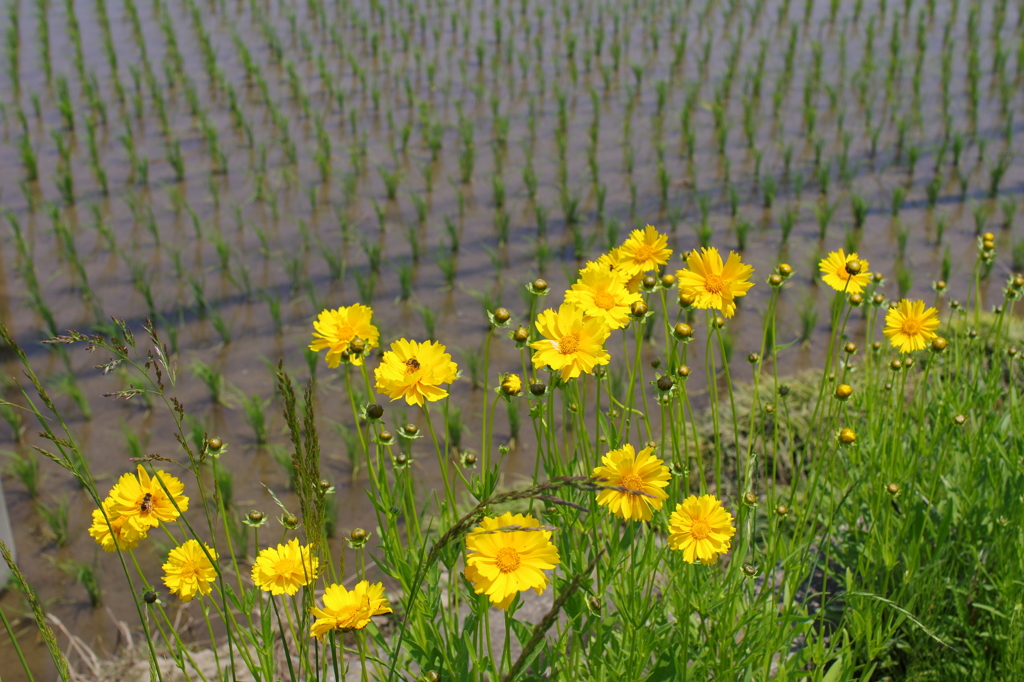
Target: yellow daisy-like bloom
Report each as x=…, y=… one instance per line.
x=142, y=502
x=101, y=531
x=640, y=472
x=713, y=284
x=910, y=326
x=602, y=293
x=834, y=274
x=645, y=250
x=188, y=570
x=612, y=261
x=415, y=371
x=701, y=529
x=572, y=343
x=502, y=563
x=348, y=610
x=335, y=329
x=285, y=568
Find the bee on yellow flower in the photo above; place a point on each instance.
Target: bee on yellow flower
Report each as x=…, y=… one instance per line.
x=415, y=371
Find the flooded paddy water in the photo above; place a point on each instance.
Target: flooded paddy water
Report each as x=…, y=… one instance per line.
x=228, y=169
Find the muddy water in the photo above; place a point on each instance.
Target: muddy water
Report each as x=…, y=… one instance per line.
x=280, y=221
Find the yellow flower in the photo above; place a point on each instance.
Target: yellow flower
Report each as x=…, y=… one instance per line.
x=101, y=532
x=641, y=472
x=512, y=385
x=602, y=293
x=910, y=326
x=713, y=284
x=285, y=568
x=143, y=503
x=348, y=610
x=188, y=570
x=834, y=274
x=644, y=250
x=414, y=371
x=334, y=329
x=502, y=563
x=700, y=528
x=571, y=343
x=613, y=261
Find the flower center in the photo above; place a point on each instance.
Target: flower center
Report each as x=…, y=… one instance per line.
x=841, y=272
x=643, y=253
x=412, y=365
x=911, y=327
x=569, y=344
x=507, y=560
x=713, y=284
x=346, y=333
x=700, y=529
x=189, y=571
x=604, y=300
x=633, y=483
x=285, y=566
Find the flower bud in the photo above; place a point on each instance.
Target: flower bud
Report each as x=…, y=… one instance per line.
x=850, y=347
x=357, y=535
x=769, y=408
x=856, y=299
x=719, y=321
x=668, y=281
x=356, y=346
x=1018, y=282
x=256, y=516
x=775, y=279
x=877, y=300
x=214, y=444
x=749, y=570
x=431, y=676
x=940, y=285
x=876, y=346
x=469, y=460
x=783, y=390
x=892, y=489
x=781, y=510
x=988, y=237
x=538, y=389
x=844, y=391
x=521, y=335
x=749, y=499
x=540, y=285
x=686, y=300
x=785, y=269
x=959, y=420
x=649, y=282
x=290, y=521
x=149, y=597
x=682, y=331
x=411, y=429
x=896, y=365
x=939, y=344
x=683, y=371
x=853, y=267
x=502, y=315
x=753, y=358
x=386, y=437
x=665, y=383
x=878, y=277
x=374, y=411
x=512, y=385
x=655, y=363
x=638, y=309
x=847, y=436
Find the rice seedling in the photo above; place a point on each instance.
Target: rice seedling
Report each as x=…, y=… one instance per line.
x=25, y=469
x=56, y=517
x=212, y=378
x=85, y=575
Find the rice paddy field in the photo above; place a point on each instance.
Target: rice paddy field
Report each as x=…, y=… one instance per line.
x=512, y=340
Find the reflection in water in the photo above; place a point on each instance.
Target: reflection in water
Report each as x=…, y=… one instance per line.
x=230, y=169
